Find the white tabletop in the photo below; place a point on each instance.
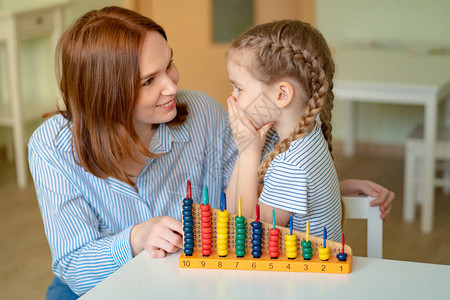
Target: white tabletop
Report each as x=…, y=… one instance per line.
x=145, y=278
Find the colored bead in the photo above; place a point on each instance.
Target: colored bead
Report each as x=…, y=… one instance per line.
x=274, y=237
x=241, y=235
x=324, y=253
x=188, y=224
x=342, y=256
x=206, y=229
x=291, y=246
x=307, y=251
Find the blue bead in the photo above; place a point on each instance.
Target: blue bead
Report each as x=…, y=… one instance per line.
x=187, y=207
x=256, y=247
x=188, y=240
x=188, y=251
x=187, y=201
x=257, y=230
x=257, y=236
x=342, y=256
x=256, y=242
x=187, y=229
x=189, y=234
x=256, y=254
x=256, y=224
x=185, y=218
x=187, y=213
x=188, y=245
x=188, y=224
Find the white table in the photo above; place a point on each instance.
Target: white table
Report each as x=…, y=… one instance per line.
x=19, y=22
x=396, y=77
x=148, y=278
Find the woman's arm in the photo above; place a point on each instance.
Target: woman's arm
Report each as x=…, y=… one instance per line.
x=84, y=253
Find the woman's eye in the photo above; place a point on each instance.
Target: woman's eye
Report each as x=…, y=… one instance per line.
x=148, y=81
x=170, y=64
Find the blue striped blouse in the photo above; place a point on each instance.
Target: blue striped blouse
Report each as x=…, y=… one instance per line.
x=88, y=220
x=303, y=180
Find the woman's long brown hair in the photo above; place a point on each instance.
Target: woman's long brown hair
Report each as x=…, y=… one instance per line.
x=97, y=64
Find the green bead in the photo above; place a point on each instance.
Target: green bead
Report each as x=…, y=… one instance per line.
x=240, y=242
x=307, y=250
x=307, y=255
x=240, y=219
x=240, y=253
x=240, y=247
x=241, y=236
x=241, y=230
x=240, y=225
x=305, y=244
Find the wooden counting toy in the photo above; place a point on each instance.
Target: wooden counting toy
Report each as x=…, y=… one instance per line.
x=217, y=239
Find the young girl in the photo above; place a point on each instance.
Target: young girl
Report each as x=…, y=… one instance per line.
x=282, y=75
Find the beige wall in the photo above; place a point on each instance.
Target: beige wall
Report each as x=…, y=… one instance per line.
x=188, y=25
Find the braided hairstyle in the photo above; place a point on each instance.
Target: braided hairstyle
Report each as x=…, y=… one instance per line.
x=294, y=49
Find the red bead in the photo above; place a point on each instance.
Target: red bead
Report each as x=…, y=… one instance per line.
x=206, y=220
x=206, y=252
x=206, y=246
x=206, y=207
x=206, y=235
x=206, y=230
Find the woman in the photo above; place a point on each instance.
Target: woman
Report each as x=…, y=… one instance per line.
x=110, y=169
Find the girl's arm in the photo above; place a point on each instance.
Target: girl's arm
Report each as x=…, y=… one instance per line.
x=249, y=141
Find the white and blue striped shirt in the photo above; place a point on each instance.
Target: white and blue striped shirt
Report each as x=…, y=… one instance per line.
x=88, y=220
x=303, y=181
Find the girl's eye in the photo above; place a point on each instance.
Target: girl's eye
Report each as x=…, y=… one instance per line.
x=148, y=81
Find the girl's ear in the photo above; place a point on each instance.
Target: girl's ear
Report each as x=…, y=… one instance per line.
x=285, y=94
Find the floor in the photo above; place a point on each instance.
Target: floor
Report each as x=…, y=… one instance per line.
x=25, y=256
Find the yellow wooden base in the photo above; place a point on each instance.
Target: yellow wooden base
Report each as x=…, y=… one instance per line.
x=265, y=263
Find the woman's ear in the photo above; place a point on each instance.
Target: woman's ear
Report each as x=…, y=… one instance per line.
x=285, y=94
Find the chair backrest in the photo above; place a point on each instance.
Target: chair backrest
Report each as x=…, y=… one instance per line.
x=358, y=207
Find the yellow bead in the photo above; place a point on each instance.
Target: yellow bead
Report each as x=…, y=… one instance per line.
x=222, y=241
x=222, y=236
x=290, y=237
x=223, y=222
x=324, y=253
x=291, y=249
x=222, y=252
x=222, y=230
x=291, y=243
x=222, y=247
x=291, y=254
x=223, y=214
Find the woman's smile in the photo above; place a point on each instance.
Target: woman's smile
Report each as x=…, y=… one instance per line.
x=168, y=105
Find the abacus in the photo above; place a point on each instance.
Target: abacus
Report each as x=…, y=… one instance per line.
x=217, y=239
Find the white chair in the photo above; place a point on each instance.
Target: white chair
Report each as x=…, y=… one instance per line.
x=358, y=207
x=413, y=175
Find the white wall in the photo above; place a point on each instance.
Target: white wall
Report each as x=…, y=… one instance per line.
x=416, y=22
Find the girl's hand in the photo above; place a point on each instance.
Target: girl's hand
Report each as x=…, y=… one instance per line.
x=384, y=197
x=158, y=236
x=248, y=138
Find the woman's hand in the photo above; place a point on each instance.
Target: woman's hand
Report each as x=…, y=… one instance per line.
x=158, y=236
x=383, y=196
x=247, y=137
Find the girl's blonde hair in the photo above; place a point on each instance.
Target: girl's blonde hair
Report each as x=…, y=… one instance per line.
x=294, y=49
